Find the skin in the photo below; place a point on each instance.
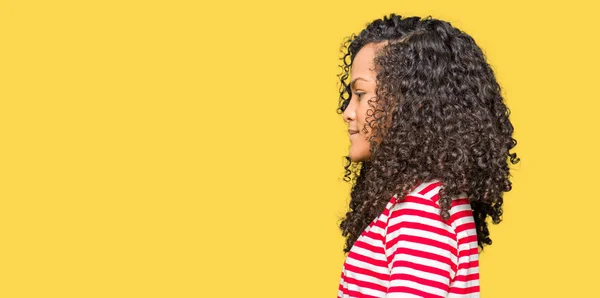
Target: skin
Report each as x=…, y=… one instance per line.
x=363, y=84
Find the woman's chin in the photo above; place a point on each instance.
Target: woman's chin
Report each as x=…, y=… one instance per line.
x=357, y=157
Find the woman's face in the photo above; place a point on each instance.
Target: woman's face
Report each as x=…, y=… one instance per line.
x=363, y=83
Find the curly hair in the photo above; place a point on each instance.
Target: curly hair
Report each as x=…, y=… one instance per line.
x=438, y=113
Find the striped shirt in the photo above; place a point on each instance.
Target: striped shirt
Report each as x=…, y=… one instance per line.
x=409, y=251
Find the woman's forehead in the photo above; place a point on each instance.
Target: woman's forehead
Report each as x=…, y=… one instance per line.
x=363, y=63
x=362, y=66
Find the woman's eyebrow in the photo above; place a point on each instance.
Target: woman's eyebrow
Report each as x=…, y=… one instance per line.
x=354, y=81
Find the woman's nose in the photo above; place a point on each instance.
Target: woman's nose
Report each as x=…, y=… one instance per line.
x=349, y=112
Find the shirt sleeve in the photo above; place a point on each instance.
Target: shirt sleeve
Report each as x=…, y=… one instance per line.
x=421, y=250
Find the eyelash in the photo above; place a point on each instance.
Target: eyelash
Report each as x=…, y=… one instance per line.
x=359, y=94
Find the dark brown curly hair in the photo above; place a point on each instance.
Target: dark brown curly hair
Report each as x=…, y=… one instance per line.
x=438, y=113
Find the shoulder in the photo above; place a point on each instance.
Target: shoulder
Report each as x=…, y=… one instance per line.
x=423, y=196
x=416, y=229
x=427, y=194
x=422, y=201
x=418, y=206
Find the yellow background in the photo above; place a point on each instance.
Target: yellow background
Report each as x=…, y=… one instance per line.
x=192, y=149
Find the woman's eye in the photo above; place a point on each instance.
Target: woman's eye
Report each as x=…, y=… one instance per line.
x=359, y=94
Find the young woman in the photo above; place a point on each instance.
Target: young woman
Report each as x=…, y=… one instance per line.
x=430, y=142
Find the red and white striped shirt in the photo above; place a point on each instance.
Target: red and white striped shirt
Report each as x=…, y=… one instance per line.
x=409, y=251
